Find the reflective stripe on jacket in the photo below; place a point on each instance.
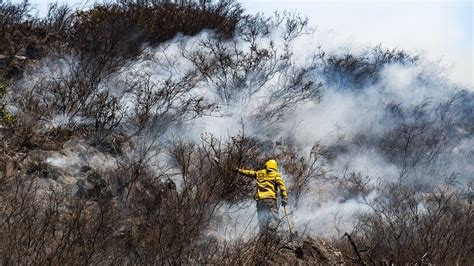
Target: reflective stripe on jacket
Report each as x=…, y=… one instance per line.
x=267, y=183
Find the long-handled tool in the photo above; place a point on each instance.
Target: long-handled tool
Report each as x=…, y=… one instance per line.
x=289, y=222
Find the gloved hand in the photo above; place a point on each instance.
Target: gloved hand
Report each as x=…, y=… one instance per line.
x=284, y=202
x=235, y=170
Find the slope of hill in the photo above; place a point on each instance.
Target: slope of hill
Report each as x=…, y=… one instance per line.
x=111, y=118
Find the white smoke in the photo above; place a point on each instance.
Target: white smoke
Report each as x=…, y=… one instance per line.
x=76, y=154
x=331, y=218
x=341, y=115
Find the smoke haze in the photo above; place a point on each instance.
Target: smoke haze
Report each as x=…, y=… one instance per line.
x=361, y=118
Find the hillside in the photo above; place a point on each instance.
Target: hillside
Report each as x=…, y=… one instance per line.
x=111, y=117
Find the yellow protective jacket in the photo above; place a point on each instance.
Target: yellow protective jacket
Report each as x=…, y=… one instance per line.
x=267, y=183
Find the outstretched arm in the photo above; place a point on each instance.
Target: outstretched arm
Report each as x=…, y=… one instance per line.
x=249, y=173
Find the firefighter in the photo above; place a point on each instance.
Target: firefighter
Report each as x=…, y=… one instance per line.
x=267, y=180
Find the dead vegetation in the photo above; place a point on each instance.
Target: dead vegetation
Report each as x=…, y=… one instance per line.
x=157, y=201
x=406, y=226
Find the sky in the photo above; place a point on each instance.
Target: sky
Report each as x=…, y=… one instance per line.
x=442, y=29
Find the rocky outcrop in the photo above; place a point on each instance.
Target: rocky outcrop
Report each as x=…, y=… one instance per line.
x=308, y=250
x=279, y=250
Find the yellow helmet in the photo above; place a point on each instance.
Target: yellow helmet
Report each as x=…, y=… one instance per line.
x=271, y=165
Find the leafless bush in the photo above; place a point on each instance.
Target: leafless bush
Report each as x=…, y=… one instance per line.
x=85, y=104
x=58, y=20
x=354, y=185
x=239, y=73
x=355, y=71
x=173, y=209
x=12, y=21
x=239, y=151
x=422, y=133
x=46, y=225
x=161, y=222
x=300, y=171
x=108, y=35
x=69, y=102
x=15, y=28
x=26, y=37
x=406, y=226
x=160, y=104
